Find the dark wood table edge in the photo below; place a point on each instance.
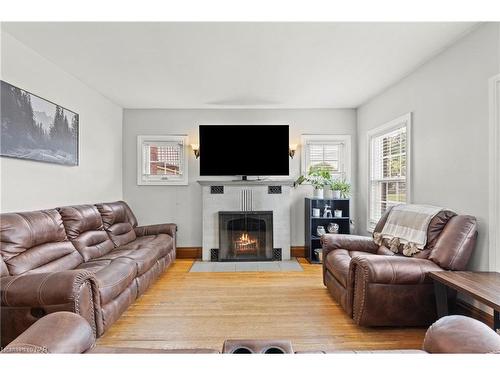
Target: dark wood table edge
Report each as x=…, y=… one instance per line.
x=441, y=294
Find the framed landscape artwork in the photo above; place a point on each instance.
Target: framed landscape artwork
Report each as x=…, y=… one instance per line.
x=37, y=129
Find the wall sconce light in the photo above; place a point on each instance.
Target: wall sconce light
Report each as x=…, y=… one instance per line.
x=291, y=150
x=196, y=150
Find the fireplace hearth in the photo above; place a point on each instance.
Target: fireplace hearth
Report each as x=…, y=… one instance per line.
x=245, y=235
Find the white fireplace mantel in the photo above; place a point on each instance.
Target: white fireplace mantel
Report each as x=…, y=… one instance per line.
x=264, y=182
x=250, y=195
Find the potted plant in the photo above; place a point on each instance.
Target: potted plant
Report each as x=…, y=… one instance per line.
x=335, y=187
x=340, y=188
x=317, y=177
x=345, y=189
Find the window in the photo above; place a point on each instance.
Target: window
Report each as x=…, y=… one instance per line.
x=162, y=160
x=389, y=167
x=329, y=151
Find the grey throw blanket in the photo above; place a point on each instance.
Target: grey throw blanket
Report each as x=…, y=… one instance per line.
x=407, y=224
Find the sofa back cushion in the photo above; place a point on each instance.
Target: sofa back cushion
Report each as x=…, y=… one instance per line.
x=36, y=242
x=382, y=220
x=118, y=221
x=85, y=230
x=436, y=226
x=453, y=247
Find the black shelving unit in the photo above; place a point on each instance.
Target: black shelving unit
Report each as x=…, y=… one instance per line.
x=312, y=240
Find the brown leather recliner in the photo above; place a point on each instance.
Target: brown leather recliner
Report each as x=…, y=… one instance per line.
x=379, y=288
x=65, y=332
x=90, y=259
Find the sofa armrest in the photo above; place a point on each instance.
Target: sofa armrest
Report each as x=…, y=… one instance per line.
x=60, y=332
x=42, y=289
x=148, y=230
x=461, y=334
x=331, y=242
x=390, y=269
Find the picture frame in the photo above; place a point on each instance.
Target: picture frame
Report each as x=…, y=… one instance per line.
x=37, y=129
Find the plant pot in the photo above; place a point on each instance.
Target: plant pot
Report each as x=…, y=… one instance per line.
x=318, y=193
x=336, y=194
x=327, y=193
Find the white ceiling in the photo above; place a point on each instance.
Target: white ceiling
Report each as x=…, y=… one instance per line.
x=231, y=65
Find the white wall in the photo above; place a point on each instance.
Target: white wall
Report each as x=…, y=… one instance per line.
x=29, y=185
x=182, y=204
x=448, y=97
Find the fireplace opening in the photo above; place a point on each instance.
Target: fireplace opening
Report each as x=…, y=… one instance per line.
x=245, y=235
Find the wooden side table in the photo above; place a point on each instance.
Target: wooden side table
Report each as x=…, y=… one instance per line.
x=482, y=286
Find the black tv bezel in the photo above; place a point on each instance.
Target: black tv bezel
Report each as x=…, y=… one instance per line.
x=235, y=126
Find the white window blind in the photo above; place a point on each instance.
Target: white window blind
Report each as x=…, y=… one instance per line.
x=163, y=160
x=388, y=185
x=325, y=151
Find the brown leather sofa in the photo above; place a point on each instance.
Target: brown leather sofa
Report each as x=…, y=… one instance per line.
x=379, y=288
x=92, y=260
x=65, y=332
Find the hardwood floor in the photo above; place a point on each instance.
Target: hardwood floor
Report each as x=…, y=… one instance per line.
x=189, y=310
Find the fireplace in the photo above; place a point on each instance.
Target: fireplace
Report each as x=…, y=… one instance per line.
x=245, y=235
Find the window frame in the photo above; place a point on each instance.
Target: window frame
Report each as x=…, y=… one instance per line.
x=344, y=139
x=141, y=139
x=494, y=165
x=399, y=122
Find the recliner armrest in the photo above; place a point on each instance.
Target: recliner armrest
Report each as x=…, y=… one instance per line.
x=148, y=230
x=390, y=269
x=41, y=289
x=349, y=242
x=460, y=334
x=59, y=332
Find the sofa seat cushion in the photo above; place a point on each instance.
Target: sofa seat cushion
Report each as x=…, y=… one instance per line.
x=338, y=262
x=163, y=242
x=113, y=276
x=144, y=258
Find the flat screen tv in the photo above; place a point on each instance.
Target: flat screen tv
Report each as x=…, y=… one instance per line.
x=244, y=150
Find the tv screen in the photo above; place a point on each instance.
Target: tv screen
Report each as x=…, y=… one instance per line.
x=244, y=150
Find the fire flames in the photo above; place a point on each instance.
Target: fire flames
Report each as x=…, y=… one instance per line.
x=245, y=239
x=245, y=243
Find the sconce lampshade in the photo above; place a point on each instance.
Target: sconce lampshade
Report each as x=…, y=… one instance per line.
x=196, y=150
